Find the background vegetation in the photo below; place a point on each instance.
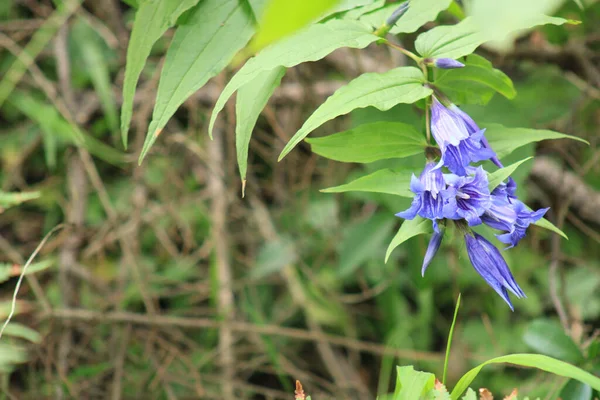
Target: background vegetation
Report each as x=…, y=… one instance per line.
x=166, y=283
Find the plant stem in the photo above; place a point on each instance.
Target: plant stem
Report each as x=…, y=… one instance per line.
x=407, y=53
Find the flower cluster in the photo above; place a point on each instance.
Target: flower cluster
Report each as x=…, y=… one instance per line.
x=463, y=195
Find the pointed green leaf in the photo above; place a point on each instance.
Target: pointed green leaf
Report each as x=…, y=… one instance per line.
x=381, y=181
x=409, y=229
x=548, y=337
x=544, y=223
x=475, y=83
x=454, y=41
x=309, y=44
x=496, y=177
x=382, y=91
x=284, y=17
x=371, y=142
x=213, y=33
x=152, y=19
x=251, y=99
x=538, y=361
x=505, y=140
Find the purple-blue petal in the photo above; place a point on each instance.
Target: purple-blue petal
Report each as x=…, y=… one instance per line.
x=447, y=63
x=432, y=248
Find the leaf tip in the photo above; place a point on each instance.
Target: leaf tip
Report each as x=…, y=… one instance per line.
x=243, y=188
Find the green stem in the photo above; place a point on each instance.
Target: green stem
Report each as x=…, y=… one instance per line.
x=450, y=340
x=407, y=53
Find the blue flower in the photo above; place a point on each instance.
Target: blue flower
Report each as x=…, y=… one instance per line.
x=509, y=214
x=458, y=144
x=428, y=202
x=473, y=129
x=398, y=12
x=447, y=63
x=501, y=214
x=525, y=217
x=488, y=263
x=467, y=197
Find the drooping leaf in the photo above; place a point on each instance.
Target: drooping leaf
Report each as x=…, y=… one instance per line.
x=454, y=41
x=409, y=229
x=505, y=140
x=548, y=337
x=388, y=181
x=382, y=91
x=498, y=176
x=538, y=361
x=283, y=17
x=475, y=83
x=152, y=19
x=8, y=271
x=411, y=384
x=213, y=33
x=363, y=241
x=251, y=99
x=310, y=44
x=370, y=142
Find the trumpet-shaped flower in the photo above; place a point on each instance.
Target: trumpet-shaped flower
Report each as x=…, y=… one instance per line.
x=467, y=197
x=489, y=263
x=459, y=146
x=428, y=202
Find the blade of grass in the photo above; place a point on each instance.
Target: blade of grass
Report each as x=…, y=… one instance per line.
x=450, y=339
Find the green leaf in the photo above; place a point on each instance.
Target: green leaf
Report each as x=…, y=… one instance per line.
x=470, y=395
x=418, y=14
x=574, y=390
x=50, y=121
x=8, y=271
x=475, y=83
x=411, y=384
x=544, y=223
x=388, y=181
x=152, y=19
x=92, y=49
x=8, y=199
x=363, y=241
x=547, y=337
x=251, y=99
x=382, y=91
x=409, y=229
x=498, y=176
x=538, y=361
x=17, y=330
x=505, y=140
x=283, y=17
x=454, y=41
x=310, y=44
x=213, y=33
x=370, y=142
